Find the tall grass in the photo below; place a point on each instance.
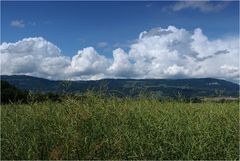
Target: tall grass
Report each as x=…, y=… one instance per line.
x=113, y=128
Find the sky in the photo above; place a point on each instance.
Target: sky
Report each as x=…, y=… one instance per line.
x=94, y=40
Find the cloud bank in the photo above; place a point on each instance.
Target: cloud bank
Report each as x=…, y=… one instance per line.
x=158, y=53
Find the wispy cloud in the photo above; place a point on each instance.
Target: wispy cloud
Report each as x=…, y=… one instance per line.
x=18, y=23
x=102, y=44
x=149, y=5
x=124, y=45
x=203, y=6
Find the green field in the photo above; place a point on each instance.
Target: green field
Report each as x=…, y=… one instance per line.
x=112, y=128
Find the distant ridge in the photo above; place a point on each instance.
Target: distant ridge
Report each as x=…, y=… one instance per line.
x=195, y=87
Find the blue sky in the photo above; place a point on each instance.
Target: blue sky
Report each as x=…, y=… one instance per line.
x=74, y=25
x=94, y=40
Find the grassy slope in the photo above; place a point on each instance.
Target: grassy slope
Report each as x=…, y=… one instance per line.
x=120, y=129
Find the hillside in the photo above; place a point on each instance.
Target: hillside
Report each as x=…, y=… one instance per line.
x=202, y=87
x=10, y=93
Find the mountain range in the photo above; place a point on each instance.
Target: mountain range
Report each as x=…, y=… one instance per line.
x=197, y=87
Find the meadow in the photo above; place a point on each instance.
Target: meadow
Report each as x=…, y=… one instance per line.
x=110, y=128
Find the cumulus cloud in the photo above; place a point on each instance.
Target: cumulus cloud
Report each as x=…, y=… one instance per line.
x=121, y=66
x=231, y=71
x=176, y=71
x=159, y=53
x=173, y=52
x=203, y=6
x=88, y=62
x=17, y=23
x=33, y=56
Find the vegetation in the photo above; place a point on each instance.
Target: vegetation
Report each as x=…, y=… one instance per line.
x=202, y=87
x=10, y=93
x=96, y=127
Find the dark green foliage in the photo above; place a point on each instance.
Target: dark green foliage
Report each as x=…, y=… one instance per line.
x=195, y=100
x=95, y=127
x=43, y=97
x=10, y=93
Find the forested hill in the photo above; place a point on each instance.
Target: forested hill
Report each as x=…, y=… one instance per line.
x=202, y=87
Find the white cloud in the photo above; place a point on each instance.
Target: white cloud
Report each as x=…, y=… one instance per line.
x=173, y=52
x=17, y=23
x=88, y=62
x=121, y=65
x=176, y=71
x=203, y=6
x=158, y=53
x=33, y=56
x=231, y=71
